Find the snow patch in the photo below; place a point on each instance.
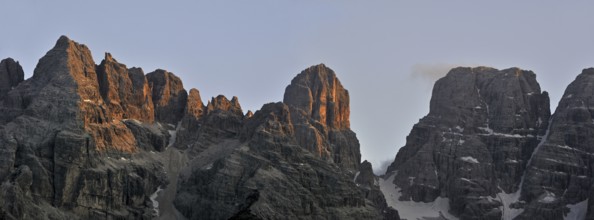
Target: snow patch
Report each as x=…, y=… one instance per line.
x=356, y=175
x=208, y=166
x=469, y=159
x=548, y=198
x=569, y=96
x=507, y=199
x=466, y=180
x=491, y=132
x=539, y=122
x=88, y=100
x=173, y=134
x=414, y=210
x=564, y=147
x=133, y=120
x=577, y=211
x=153, y=198
x=488, y=130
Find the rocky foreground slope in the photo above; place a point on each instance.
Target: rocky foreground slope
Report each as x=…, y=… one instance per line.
x=489, y=149
x=86, y=141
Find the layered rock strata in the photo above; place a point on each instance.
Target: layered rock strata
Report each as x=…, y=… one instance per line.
x=560, y=172
x=475, y=143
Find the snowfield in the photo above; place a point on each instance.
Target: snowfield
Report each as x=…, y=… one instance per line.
x=414, y=210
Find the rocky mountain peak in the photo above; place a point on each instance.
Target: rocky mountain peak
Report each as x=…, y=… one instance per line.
x=195, y=107
x=11, y=74
x=249, y=114
x=223, y=104
x=481, y=130
x=319, y=94
x=125, y=91
x=169, y=96
x=588, y=71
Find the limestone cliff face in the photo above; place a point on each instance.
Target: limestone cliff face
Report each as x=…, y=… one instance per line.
x=320, y=111
x=481, y=131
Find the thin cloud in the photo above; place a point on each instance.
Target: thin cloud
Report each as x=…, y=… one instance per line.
x=381, y=170
x=431, y=72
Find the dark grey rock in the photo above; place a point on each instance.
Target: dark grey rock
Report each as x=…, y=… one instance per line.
x=481, y=130
x=150, y=137
x=269, y=176
x=369, y=183
x=169, y=96
x=11, y=74
x=561, y=171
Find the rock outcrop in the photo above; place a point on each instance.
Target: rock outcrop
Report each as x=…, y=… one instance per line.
x=475, y=143
x=11, y=74
x=369, y=182
x=320, y=112
x=169, y=96
x=125, y=91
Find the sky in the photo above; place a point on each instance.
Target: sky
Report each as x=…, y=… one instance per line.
x=386, y=53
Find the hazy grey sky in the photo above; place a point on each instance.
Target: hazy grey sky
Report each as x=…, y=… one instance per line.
x=386, y=53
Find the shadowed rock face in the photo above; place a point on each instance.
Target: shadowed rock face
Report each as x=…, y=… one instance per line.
x=482, y=129
x=11, y=74
x=561, y=171
x=320, y=111
x=169, y=96
x=369, y=183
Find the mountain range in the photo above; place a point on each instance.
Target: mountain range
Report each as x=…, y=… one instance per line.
x=80, y=140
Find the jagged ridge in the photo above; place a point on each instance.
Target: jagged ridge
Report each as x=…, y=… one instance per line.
x=81, y=140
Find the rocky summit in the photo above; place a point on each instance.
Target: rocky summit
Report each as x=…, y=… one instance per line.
x=474, y=144
x=80, y=140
